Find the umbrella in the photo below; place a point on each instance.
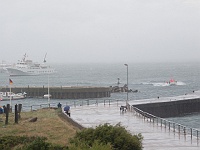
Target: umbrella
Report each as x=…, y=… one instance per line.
x=66, y=108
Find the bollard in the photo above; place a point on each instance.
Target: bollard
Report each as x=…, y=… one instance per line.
x=7, y=113
x=19, y=109
x=16, y=114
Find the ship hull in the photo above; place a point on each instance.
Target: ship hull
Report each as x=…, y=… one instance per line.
x=28, y=72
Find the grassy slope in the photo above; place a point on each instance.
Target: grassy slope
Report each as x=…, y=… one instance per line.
x=48, y=124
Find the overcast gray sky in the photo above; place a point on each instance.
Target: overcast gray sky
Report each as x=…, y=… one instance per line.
x=100, y=30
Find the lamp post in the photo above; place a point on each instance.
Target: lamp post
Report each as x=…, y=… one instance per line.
x=127, y=84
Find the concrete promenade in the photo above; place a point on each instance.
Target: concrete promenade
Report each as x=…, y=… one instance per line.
x=155, y=136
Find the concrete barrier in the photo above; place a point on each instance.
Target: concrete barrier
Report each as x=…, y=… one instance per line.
x=70, y=120
x=63, y=92
x=171, y=108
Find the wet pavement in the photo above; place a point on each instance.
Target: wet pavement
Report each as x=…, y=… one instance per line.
x=155, y=136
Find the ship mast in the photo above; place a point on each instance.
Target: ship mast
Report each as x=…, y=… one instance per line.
x=45, y=58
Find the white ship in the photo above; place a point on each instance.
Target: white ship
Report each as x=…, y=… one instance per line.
x=12, y=96
x=27, y=67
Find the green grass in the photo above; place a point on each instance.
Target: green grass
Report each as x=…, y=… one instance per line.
x=49, y=124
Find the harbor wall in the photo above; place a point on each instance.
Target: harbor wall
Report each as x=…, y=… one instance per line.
x=171, y=108
x=74, y=123
x=63, y=92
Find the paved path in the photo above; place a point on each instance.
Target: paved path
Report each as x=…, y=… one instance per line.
x=155, y=137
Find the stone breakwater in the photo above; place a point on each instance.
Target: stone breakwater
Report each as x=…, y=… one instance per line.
x=63, y=92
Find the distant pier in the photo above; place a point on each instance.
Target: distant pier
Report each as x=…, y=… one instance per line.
x=63, y=92
x=170, y=106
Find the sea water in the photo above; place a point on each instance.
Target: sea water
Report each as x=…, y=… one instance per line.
x=150, y=79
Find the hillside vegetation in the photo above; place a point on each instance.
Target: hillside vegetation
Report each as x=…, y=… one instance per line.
x=52, y=132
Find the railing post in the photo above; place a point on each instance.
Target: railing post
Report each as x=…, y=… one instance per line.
x=184, y=130
x=174, y=126
x=197, y=134
x=179, y=128
x=169, y=125
x=104, y=101
x=191, y=132
x=161, y=122
x=31, y=108
x=109, y=101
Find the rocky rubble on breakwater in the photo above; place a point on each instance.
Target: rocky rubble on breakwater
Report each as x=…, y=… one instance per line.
x=116, y=89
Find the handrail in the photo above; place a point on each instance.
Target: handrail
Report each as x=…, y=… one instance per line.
x=73, y=103
x=176, y=127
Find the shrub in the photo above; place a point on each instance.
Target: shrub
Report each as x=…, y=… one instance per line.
x=117, y=136
x=7, y=142
x=95, y=146
x=27, y=143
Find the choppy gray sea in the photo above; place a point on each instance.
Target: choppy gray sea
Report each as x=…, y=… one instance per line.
x=148, y=78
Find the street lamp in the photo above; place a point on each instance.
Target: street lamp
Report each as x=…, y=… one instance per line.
x=127, y=84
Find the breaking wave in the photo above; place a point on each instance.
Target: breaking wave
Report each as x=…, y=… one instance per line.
x=178, y=83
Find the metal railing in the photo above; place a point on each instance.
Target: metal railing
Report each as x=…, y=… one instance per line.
x=74, y=103
x=35, y=107
x=170, y=125
x=91, y=102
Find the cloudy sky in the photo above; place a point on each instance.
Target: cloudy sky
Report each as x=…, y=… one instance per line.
x=100, y=30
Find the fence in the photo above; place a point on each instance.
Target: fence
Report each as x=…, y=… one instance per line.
x=73, y=103
x=172, y=126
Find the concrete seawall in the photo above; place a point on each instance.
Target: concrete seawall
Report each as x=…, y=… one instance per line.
x=63, y=92
x=74, y=123
x=171, y=108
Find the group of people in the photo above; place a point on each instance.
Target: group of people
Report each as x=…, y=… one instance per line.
x=123, y=108
x=66, y=109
